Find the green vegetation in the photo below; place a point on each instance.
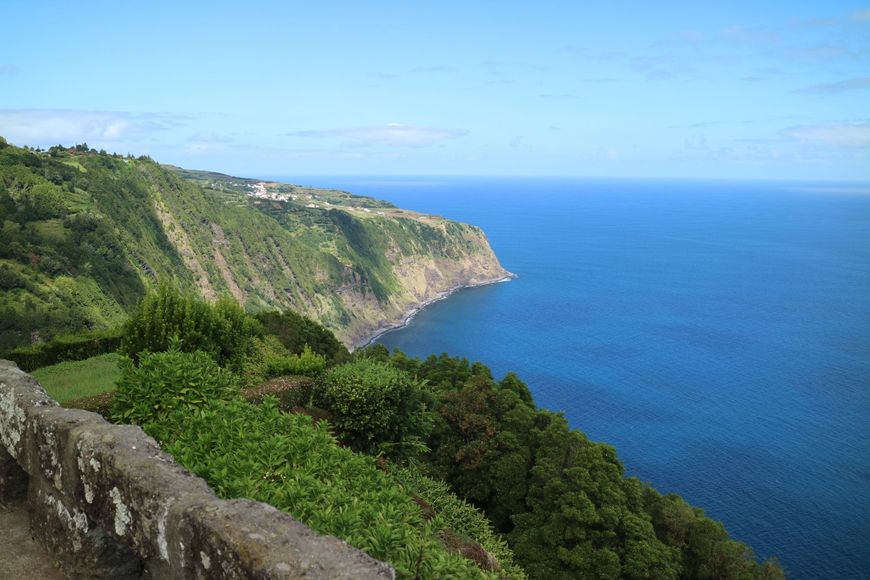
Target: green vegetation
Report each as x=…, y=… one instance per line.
x=400, y=457
x=164, y=382
x=84, y=234
x=66, y=348
x=167, y=317
x=259, y=452
x=295, y=331
x=562, y=501
x=376, y=408
x=403, y=457
x=68, y=381
x=307, y=363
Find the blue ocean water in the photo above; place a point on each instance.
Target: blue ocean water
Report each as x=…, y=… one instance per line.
x=717, y=333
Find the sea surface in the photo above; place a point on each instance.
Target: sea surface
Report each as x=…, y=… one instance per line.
x=717, y=333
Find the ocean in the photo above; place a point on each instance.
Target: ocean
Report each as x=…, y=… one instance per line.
x=717, y=333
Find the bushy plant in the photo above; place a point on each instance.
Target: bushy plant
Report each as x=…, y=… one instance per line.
x=65, y=348
x=307, y=363
x=376, y=407
x=262, y=354
x=223, y=330
x=164, y=382
x=296, y=332
x=259, y=452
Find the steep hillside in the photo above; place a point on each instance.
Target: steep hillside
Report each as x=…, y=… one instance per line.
x=85, y=233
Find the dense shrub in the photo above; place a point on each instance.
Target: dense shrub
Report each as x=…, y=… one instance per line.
x=65, y=348
x=167, y=381
x=283, y=459
x=223, y=330
x=306, y=363
x=377, y=408
x=296, y=332
x=262, y=354
x=100, y=404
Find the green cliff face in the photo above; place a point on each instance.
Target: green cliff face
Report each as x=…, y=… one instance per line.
x=85, y=233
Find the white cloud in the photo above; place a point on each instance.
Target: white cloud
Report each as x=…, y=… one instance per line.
x=391, y=134
x=839, y=135
x=54, y=126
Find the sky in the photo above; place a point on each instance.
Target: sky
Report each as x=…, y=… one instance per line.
x=750, y=90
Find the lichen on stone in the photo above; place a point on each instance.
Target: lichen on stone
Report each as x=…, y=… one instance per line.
x=122, y=513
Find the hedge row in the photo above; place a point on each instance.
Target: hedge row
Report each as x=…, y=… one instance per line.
x=66, y=348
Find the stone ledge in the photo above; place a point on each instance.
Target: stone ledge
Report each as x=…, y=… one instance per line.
x=107, y=501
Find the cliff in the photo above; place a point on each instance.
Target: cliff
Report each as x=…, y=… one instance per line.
x=85, y=233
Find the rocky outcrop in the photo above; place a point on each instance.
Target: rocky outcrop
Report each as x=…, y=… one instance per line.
x=106, y=502
x=423, y=278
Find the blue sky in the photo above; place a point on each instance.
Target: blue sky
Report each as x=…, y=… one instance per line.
x=627, y=89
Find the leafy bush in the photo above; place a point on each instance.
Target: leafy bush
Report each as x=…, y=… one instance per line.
x=296, y=332
x=283, y=459
x=167, y=381
x=222, y=330
x=307, y=363
x=376, y=407
x=65, y=348
x=262, y=353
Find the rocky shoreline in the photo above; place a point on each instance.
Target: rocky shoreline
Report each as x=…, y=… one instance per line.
x=411, y=312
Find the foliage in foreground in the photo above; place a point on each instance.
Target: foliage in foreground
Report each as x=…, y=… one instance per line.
x=561, y=501
x=257, y=451
x=458, y=522
x=170, y=381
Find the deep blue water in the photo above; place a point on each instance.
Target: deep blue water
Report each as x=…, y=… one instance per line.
x=717, y=333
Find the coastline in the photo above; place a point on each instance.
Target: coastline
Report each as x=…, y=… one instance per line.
x=409, y=315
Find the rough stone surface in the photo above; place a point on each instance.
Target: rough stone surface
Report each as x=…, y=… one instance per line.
x=19, y=393
x=274, y=545
x=107, y=502
x=83, y=549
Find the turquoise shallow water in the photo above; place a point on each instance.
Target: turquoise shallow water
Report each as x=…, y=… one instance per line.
x=717, y=333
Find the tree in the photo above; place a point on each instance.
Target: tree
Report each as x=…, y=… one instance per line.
x=376, y=407
x=481, y=446
x=580, y=522
x=222, y=330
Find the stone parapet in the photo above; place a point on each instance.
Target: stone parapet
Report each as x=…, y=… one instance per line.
x=107, y=502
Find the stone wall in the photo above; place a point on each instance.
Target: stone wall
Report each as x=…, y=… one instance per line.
x=108, y=503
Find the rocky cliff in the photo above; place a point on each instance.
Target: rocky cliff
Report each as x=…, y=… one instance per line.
x=84, y=233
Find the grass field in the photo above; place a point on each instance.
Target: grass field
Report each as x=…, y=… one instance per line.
x=72, y=380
